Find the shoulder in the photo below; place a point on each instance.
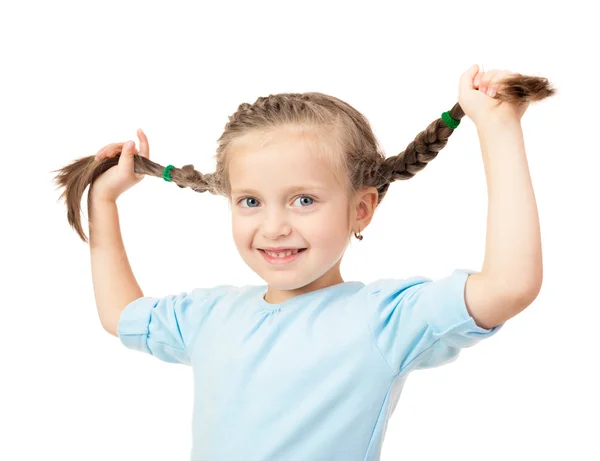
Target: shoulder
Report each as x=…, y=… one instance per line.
x=386, y=287
x=416, y=282
x=417, y=292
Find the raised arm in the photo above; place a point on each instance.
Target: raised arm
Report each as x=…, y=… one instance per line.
x=511, y=277
x=114, y=283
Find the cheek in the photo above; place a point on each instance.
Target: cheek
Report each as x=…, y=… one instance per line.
x=239, y=231
x=331, y=229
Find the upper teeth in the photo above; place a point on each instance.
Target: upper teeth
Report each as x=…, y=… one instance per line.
x=283, y=254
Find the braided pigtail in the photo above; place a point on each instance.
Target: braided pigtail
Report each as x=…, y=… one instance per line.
x=518, y=89
x=77, y=176
x=350, y=143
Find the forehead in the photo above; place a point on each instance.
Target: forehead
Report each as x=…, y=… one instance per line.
x=279, y=160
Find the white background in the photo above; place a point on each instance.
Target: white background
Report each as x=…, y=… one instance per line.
x=76, y=76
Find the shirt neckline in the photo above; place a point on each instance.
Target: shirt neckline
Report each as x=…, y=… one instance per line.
x=264, y=305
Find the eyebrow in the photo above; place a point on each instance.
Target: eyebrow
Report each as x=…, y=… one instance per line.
x=289, y=190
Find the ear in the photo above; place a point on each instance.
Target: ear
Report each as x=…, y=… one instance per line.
x=366, y=202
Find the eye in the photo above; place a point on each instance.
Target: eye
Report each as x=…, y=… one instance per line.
x=248, y=200
x=251, y=202
x=307, y=202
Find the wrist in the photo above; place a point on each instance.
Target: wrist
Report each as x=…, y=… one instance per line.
x=495, y=122
x=97, y=197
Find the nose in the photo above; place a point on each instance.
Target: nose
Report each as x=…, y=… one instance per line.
x=275, y=224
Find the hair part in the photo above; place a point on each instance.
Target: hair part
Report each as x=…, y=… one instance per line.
x=330, y=127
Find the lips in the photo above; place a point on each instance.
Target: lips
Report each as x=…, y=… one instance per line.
x=281, y=260
x=283, y=251
x=279, y=249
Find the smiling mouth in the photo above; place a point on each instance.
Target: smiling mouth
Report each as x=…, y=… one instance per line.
x=281, y=254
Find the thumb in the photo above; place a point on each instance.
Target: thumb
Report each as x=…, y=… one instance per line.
x=466, y=80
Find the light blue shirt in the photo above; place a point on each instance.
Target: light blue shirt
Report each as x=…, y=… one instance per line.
x=315, y=378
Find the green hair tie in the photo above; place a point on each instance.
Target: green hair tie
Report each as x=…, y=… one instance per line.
x=449, y=120
x=167, y=173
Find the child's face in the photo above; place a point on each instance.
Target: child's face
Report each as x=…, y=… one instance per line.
x=295, y=202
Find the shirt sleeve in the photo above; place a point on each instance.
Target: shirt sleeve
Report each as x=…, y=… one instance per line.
x=420, y=323
x=164, y=327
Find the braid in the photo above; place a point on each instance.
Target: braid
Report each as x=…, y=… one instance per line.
x=417, y=154
x=518, y=89
x=80, y=174
x=362, y=160
x=271, y=110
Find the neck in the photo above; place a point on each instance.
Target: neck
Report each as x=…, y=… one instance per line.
x=276, y=295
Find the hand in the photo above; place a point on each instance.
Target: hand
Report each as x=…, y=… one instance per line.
x=476, y=96
x=117, y=179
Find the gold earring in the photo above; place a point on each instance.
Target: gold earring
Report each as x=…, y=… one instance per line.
x=359, y=236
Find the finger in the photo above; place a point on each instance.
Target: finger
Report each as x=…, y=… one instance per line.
x=502, y=74
x=485, y=80
x=466, y=79
x=108, y=149
x=479, y=76
x=144, y=146
x=496, y=81
x=126, y=158
x=117, y=150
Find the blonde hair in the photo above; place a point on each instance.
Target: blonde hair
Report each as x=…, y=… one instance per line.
x=337, y=131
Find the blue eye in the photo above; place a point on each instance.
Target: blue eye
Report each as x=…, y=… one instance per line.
x=245, y=199
x=307, y=197
x=251, y=202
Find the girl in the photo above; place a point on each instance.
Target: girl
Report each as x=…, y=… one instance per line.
x=308, y=366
